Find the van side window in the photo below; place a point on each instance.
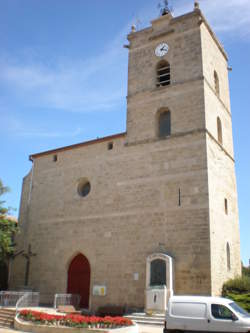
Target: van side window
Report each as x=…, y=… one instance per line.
x=221, y=312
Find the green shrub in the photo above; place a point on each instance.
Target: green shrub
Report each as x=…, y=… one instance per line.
x=238, y=290
x=239, y=285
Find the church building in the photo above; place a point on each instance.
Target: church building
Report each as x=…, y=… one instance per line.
x=152, y=211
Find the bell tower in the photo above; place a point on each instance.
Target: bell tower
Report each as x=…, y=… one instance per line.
x=165, y=73
x=178, y=96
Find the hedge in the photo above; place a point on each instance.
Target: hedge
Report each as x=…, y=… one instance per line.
x=242, y=300
x=238, y=289
x=239, y=285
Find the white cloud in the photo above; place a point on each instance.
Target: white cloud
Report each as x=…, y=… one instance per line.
x=77, y=86
x=47, y=134
x=227, y=17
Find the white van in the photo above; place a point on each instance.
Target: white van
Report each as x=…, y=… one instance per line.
x=205, y=314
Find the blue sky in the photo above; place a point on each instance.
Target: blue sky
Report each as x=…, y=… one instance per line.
x=63, y=78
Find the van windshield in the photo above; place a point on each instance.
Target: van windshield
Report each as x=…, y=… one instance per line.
x=239, y=310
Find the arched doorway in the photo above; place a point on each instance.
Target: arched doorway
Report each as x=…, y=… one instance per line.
x=79, y=279
x=159, y=281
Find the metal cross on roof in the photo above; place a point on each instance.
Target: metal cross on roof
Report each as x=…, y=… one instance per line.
x=28, y=256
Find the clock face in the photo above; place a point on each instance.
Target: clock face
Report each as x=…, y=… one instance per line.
x=161, y=49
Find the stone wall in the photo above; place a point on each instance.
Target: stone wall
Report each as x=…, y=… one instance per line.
x=224, y=227
x=132, y=211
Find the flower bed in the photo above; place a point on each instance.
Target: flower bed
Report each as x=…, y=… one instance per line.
x=74, y=321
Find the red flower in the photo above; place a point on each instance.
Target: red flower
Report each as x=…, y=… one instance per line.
x=72, y=320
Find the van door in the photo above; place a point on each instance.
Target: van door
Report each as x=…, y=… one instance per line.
x=188, y=316
x=222, y=319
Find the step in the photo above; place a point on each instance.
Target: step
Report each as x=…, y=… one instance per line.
x=2, y=317
x=7, y=323
x=5, y=314
x=7, y=317
x=8, y=311
x=160, y=320
x=5, y=326
x=143, y=318
x=156, y=316
x=4, y=323
x=143, y=314
x=149, y=322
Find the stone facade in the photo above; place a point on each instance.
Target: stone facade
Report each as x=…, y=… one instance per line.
x=148, y=195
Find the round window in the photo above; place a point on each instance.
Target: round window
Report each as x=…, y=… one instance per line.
x=83, y=188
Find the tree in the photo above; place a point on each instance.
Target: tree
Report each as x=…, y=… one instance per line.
x=246, y=271
x=8, y=228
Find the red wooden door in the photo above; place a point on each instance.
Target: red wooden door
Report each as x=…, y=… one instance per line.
x=79, y=279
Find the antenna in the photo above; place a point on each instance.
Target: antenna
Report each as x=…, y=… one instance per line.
x=164, y=7
x=137, y=22
x=135, y=26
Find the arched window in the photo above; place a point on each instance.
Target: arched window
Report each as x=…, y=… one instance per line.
x=219, y=130
x=163, y=74
x=164, y=123
x=228, y=257
x=216, y=83
x=158, y=272
x=226, y=206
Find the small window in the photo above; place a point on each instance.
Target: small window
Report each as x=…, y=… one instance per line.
x=110, y=145
x=226, y=206
x=219, y=130
x=83, y=188
x=228, y=257
x=54, y=158
x=158, y=272
x=164, y=124
x=163, y=74
x=216, y=84
x=221, y=312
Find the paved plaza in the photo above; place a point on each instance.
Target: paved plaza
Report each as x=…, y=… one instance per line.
x=149, y=329
x=142, y=329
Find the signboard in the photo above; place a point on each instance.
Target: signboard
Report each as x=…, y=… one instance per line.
x=99, y=290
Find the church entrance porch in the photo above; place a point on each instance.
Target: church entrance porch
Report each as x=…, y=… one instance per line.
x=159, y=282
x=79, y=279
